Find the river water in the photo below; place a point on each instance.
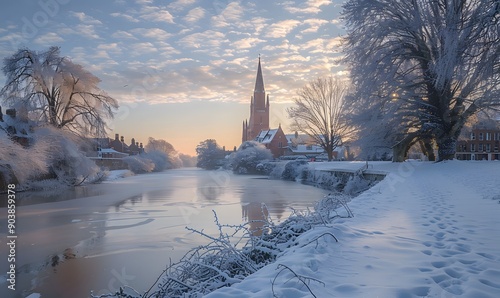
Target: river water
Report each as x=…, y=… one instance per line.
x=125, y=232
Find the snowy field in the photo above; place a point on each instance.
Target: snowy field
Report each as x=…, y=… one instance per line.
x=427, y=230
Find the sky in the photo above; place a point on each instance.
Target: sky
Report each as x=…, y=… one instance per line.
x=184, y=70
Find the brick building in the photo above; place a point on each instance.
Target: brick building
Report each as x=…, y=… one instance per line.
x=479, y=144
x=274, y=140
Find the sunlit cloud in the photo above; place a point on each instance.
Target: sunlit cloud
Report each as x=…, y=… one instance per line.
x=310, y=7
x=246, y=43
x=122, y=35
x=124, y=16
x=194, y=15
x=202, y=39
x=314, y=25
x=231, y=14
x=281, y=29
x=181, y=4
x=142, y=48
x=114, y=48
x=152, y=33
x=156, y=14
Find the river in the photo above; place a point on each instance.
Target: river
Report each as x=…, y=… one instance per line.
x=125, y=232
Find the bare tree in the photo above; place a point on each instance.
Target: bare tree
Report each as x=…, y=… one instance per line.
x=57, y=91
x=440, y=57
x=320, y=111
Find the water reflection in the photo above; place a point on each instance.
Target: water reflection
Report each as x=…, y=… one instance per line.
x=96, y=247
x=256, y=214
x=212, y=184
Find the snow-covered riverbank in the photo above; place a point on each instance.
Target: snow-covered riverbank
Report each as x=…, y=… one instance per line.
x=427, y=230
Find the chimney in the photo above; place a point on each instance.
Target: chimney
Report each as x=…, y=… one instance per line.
x=116, y=136
x=122, y=139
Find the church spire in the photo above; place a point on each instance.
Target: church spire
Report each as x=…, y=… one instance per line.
x=259, y=82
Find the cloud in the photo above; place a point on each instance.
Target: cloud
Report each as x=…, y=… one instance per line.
x=142, y=48
x=86, y=19
x=314, y=25
x=181, y=4
x=87, y=31
x=154, y=33
x=194, y=15
x=203, y=39
x=49, y=39
x=231, y=14
x=323, y=46
x=156, y=14
x=110, y=47
x=246, y=43
x=101, y=54
x=281, y=29
x=124, y=16
x=310, y=7
x=122, y=35
x=178, y=61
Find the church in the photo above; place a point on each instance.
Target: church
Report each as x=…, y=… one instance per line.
x=257, y=127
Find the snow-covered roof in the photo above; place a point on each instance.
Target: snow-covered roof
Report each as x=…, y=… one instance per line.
x=111, y=150
x=299, y=139
x=266, y=136
x=305, y=149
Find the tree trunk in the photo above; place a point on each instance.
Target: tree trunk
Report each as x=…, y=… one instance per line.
x=400, y=150
x=329, y=151
x=426, y=147
x=447, y=146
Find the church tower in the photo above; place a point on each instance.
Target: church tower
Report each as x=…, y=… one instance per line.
x=259, y=110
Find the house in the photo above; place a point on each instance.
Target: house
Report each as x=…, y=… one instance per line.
x=305, y=145
x=480, y=143
x=274, y=140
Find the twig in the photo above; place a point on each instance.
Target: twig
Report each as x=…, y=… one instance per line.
x=317, y=238
x=303, y=279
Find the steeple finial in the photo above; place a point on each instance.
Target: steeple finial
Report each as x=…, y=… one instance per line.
x=259, y=82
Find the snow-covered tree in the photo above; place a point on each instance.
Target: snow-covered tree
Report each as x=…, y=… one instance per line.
x=188, y=161
x=436, y=63
x=320, y=112
x=209, y=154
x=56, y=91
x=249, y=156
x=162, y=146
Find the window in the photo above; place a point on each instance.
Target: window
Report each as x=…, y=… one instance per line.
x=496, y=136
x=488, y=136
x=309, y=147
x=472, y=147
x=480, y=147
x=472, y=136
x=280, y=145
x=488, y=147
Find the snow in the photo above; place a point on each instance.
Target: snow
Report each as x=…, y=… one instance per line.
x=427, y=230
x=118, y=174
